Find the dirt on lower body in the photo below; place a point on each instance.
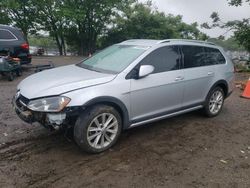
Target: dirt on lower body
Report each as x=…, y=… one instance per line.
x=185, y=151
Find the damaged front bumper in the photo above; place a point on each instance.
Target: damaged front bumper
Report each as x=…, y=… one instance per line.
x=49, y=120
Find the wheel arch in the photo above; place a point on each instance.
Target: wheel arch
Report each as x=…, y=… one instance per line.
x=114, y=102
x=223, y=84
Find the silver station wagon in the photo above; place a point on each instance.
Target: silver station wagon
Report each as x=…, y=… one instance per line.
x=126, y=85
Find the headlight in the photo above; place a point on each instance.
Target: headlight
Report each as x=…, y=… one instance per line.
x=51, y=104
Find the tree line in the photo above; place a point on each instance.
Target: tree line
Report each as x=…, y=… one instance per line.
x=87, y=25
x=90, y=24
x=240, y=28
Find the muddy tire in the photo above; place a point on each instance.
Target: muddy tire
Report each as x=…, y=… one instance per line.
x=214, y=102
x=98, y=128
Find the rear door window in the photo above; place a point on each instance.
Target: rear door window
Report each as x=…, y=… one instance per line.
x=6, y=35
x=163, y=59
x=194, y=56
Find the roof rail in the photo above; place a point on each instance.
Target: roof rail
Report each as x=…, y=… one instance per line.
x=186, y=40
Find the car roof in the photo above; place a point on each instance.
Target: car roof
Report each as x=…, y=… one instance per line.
x=148, y=42
x=8, y=27
x=140, y=42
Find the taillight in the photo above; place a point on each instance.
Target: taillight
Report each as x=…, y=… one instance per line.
x=25, y=46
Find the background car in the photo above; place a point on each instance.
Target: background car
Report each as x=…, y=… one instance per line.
x=14, y=44
x=34, y=50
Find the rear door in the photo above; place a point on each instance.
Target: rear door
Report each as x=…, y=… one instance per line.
x=161, y=92
x=198, y=73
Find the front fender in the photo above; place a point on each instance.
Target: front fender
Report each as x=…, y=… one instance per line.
x=116, y=103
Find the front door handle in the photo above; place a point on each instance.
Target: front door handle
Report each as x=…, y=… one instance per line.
x=179, y=78
x=210, y=73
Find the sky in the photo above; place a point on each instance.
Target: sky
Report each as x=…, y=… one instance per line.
x=200, y=11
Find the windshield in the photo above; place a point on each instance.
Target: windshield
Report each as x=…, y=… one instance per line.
x=113, y=59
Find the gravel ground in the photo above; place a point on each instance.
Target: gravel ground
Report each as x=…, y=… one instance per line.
x=185, y=151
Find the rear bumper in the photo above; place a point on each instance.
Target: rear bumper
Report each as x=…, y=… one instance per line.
x=24, y=58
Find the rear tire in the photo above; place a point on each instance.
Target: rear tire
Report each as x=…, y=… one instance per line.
x=98, y=128
x=214, y=102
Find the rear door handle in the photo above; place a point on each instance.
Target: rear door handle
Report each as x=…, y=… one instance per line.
x=179, y=78
x=210, y=73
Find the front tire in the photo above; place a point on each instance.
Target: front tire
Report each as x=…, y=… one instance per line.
x=98, y=128
x=214, y=102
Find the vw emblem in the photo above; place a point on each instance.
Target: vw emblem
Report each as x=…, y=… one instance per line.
x=17, y=94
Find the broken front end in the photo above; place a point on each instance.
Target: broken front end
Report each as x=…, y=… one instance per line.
x=51, y=112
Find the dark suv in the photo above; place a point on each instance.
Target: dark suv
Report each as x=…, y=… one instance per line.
x=14, y=44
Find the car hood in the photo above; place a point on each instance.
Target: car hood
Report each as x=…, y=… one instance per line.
x=61, y=80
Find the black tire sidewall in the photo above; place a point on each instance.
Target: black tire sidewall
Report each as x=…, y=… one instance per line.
x=83, y=122
x=206, y=108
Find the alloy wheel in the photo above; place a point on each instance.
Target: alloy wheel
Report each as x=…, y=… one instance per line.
x=102, y=130
x=216, y=102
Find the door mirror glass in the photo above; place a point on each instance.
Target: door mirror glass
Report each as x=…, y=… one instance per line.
x=145, y=70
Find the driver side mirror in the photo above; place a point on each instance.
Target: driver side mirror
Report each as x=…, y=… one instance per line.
x=145, y=70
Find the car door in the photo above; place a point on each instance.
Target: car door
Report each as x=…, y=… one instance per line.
x=198, y=73
x=160, y=92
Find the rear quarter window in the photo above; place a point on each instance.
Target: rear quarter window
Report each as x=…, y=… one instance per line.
x=198, y=56
x=214, y=56
x=6, y=35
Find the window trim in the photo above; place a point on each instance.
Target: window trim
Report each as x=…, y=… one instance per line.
x=15, y=38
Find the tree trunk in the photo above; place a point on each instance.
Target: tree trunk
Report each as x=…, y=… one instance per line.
x=63, y=46
x=59, y=44
x=25, y=33
x=81, y=48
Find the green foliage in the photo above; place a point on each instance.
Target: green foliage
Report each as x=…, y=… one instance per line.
x=237, y=2
x=242, y=68
x=229, y=44
x=242, y=33
x=50, y=18
x=4, y=19
x=21, y=13
x=142, y=22
x=87, y=19
x=241, y=28
x=42, y=41
x=88, y=24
